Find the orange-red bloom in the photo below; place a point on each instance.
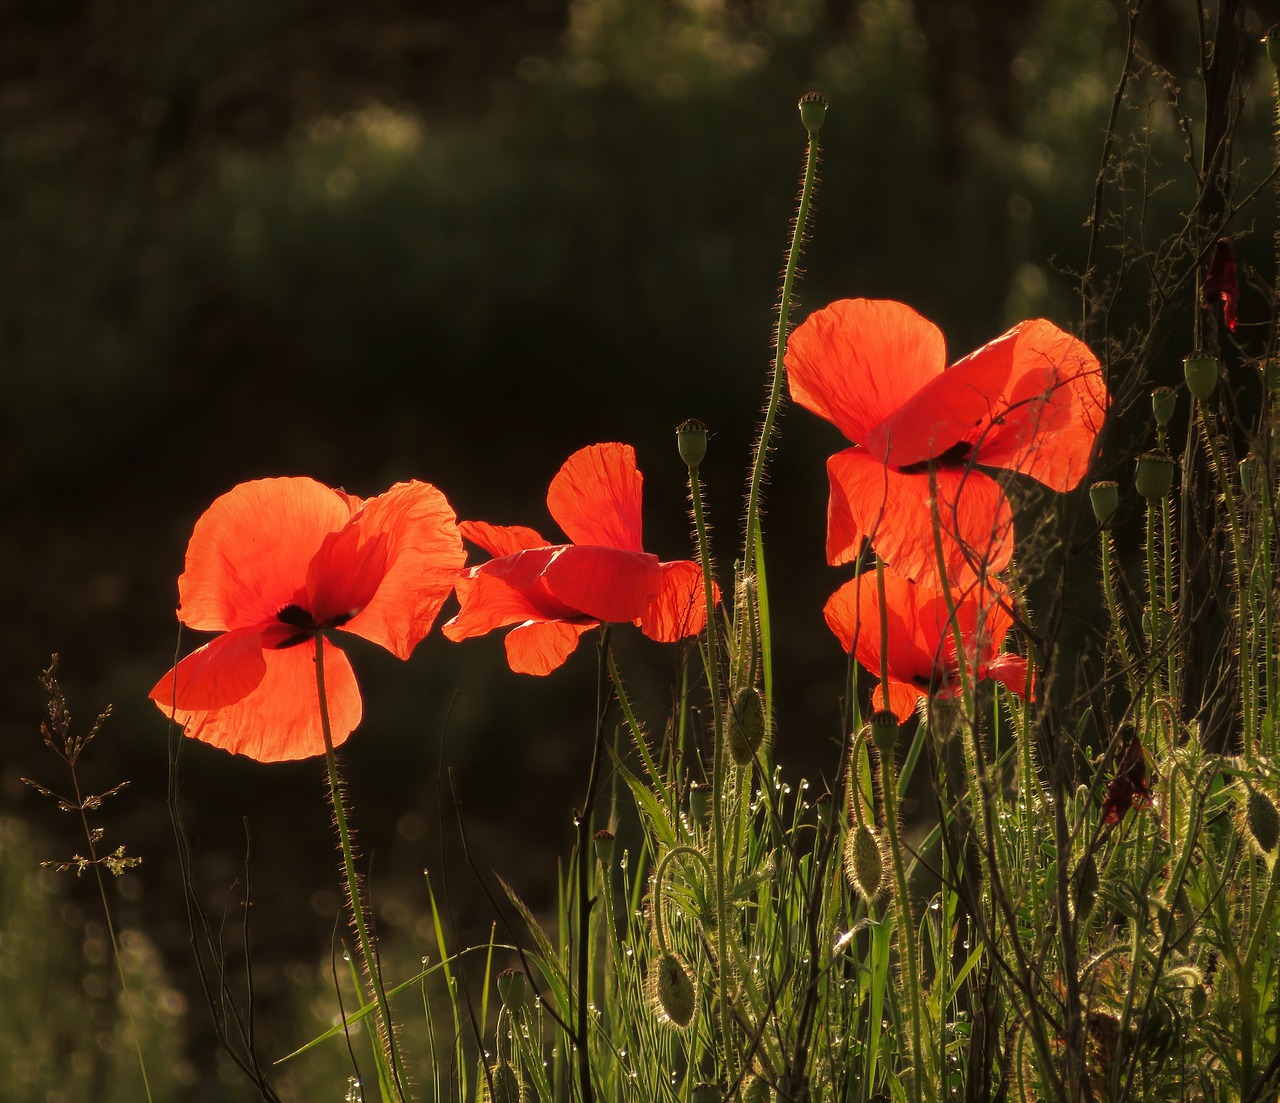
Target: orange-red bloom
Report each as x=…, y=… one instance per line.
x=271, y=564
x=555, y=593
x=1031, y=401
x=921, y=654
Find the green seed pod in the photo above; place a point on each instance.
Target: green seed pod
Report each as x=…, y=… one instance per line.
x=813, y=111
x=1201, y=372
x=671, y=989
x=691, y=439
x=745, y=724
x=1164, y=401
x=1272, y=43
x=1261, y=821
x=864, y=862
x=506, y=1084
x=604, y=841
x=884, y=731
x=706, y=1093
x=513, y=990
x=699, y=802
x=1154, y=475
x=1086, y=885
x=1105, y=498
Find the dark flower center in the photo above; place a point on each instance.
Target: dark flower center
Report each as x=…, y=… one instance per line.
x=955, y=456
x=296, y=616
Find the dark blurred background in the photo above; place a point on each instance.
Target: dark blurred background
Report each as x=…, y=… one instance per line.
x=456, y=241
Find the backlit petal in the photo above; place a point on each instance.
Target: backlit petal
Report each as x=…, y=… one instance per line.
x=859, y=361
x=280, y=718
x=250, y=550
x=1053, y=405
x=872, y=502
x=223, y=671
x=680, y=609
x=424, y=555
x=605, y=583
x=508, y=590
x=902, y=702
x=499, y=540
x=595, y=497
x=344, y=575
x=541, y=647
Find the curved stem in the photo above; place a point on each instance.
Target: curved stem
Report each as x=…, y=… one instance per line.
x=659, y=918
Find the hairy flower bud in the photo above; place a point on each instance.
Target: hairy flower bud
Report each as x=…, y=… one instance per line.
x=513, y=990
x=745, y=725
x=671, y=989
x=864, y=862
x=506, y=1084
x=699, y=802
x=1261, y=821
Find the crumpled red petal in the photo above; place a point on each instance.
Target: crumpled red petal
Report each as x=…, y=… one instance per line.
x=680, y=608
x=225, y=670
x=424, y=556
x=250, y=550
x=279, y=719
x=870, y=501
x=540, y=648
x=500, y=540
x=595, y=497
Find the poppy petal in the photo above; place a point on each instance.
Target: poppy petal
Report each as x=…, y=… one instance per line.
x=1052, y=405
x=423, y=557
x=872, y=502
x=249, y=551
x=605, y=583
x=853, y=614
x=595, y=497
x=225, y=670
x=859, y=361
x=279, y=720
x=539, y=648
x=508, y=590
x=1010, y=671
x=680, y=609
x=902, y=702
x=344, y=575
x=499, y=540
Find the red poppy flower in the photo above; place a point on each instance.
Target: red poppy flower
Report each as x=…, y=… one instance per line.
x=275, y=561
x=921, y=656
x=555, y=593
x=1222, y=282
x=1130, y=788
x=1031, y=401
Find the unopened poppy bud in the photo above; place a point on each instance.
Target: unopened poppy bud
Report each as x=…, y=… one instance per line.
x=513, y=990
x=864, y=862
x=1164, y=401
x=1154, y=475
x=691, y=439
x=699, y=801
x=884, y=731
x=813, y=111
x=1086, y=885
x=1261, y=821
x=1249, y=473
x=1272, y=42
x=1201, y=371
x=755, y=1089
x=825, y=805
x=506, y=1084
x=671, y=989
x=745, y=724
x=706, y=1093
x=1105, y=498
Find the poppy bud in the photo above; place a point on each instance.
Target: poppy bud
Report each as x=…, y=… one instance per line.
x=864, y=862
x=1248, y=472
x=699, y=801
x=813, y=111
x=1272, y=43
x=884, y=731
x=1105, y=499
x=706, y=1093
x=506, y=1084
x=1261, y=821
x=671, y=989
x=1154, y=476
x=745, y=724
x=1201, y=371
x=691, y=439
x=754, y=1090
x=513, y=990
x=825, y=805
x=1086, y=885
x=1164, y=400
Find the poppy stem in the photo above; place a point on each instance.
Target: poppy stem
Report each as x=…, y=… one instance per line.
x=390, y=1062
